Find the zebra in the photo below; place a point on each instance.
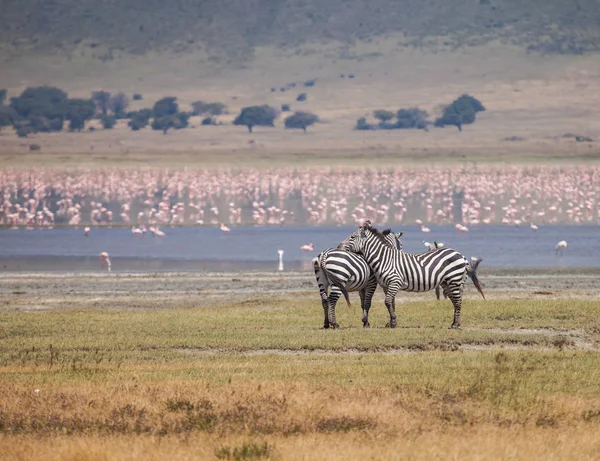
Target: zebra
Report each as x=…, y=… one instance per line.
x=339, y=272
x=396, y=270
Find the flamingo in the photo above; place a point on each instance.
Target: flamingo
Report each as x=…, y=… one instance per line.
x=280, y=259
x=224, y=228
x=105, y=260
x=425, y=229
x=533, y=227
x=137, y=232
x=560, y=247
x=86, y=231
x=308, y=247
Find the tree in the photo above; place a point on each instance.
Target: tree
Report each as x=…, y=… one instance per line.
x=43, y=101
x=165, y=106
x=383, y=115
x=2, y=96
x=176, y=121
x=80, y=110
x=118, y=104
x=7, y=116
x=102, y=100
x=301, y=120
x=256, y=116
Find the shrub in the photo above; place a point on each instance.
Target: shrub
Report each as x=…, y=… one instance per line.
x=411, y=118
x=43, y=101
x=301, y=97
x=361, y=124
x=383, y=115
x=7, y=116
x=310, y=83
x=165, y=106
x=3, y=93
x=285, y=108
x=23, y=131
x=34, y=147
x=462, y=111
x=137, y=97
x=137, y=123
x=211, y=108
x=301, y=120
x=108, y=121
x=118, y=104
x=80, y=110
x=102, y=101
x=256, y=116
x=207, y=121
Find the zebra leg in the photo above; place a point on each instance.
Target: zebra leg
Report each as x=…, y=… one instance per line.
x=455, y=295
x=366, y=296
x=390, y=303
x=437, y=292
x=331, y=302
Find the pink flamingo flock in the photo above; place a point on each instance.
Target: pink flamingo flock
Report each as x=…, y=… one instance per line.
x=149, y=198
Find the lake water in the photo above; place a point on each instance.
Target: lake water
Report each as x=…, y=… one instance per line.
x=255, y=248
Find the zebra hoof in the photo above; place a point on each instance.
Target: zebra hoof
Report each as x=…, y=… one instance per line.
x=454, y=327
x=326, y=326
x=366, y=325
x=390, y=325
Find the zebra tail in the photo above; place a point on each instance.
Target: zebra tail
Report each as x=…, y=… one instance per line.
x=336, y=282
x=472, y=271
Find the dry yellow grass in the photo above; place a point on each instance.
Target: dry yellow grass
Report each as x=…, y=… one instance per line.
x=536, y=98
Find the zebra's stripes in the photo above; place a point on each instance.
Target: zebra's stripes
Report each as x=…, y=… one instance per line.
x=396, y=270
x=340, y=272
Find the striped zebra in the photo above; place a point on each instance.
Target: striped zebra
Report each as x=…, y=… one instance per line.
x=339, y=272
x=396, y=270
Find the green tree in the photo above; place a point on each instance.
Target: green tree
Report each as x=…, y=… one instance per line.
x=118, y=104
x=301, y=120
x=165, y=106
x=256, y=116
x=462, y=111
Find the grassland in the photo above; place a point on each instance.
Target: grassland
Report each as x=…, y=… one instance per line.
x=141, y=374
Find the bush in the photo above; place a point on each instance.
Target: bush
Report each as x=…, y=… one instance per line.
x=411, y=118
x=137, y=123
x=43, y=101
x=35, y=147
x=137, y=97
x=80, y=110
x=7, y=116
x=118, y=104
x=108, y=121
x=383, y=115
x=301, y=120
x=23, y=131
x=43, y=124
x=165, y=106
x=361, y=124
x=301, y=97
x=207, y=121
x=211, y=108
x=256, y=116
x=310, y=83
x=102, y=101
x=462, y=111
x=3, y=93
x=285, y=108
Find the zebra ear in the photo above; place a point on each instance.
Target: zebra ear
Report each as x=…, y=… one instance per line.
x=367, y=224
x=399, y=234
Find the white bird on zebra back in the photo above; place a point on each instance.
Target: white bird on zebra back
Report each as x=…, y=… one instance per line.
x=340, y=272
x=560, y=247
x=396, y=270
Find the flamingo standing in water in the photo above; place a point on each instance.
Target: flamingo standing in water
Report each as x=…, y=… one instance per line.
x=560, y=247
x=105, y=260
x=308, y=247
x=86, y=231
x=224, y=228
x=137, y=232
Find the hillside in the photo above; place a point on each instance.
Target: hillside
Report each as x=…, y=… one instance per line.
x=232, y=28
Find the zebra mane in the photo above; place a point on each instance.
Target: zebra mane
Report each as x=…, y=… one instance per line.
x=381, y=236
